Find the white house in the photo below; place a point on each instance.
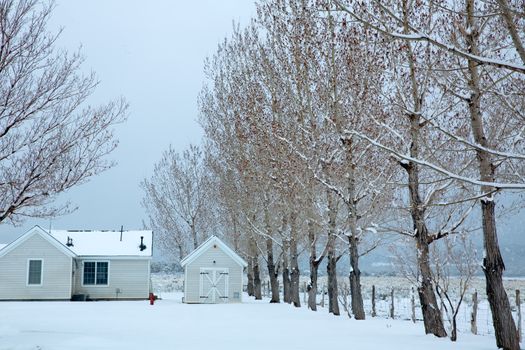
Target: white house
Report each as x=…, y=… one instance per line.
x=213, y=273
x=60, y=264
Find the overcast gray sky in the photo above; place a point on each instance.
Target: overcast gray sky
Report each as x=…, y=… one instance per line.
x=151, y=53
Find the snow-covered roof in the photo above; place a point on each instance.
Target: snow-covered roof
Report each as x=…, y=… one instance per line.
x=106, y=243
x=37, y=230
x=2, y=245
x=207, y=244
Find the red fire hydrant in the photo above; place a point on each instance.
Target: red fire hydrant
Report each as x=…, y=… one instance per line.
x=151, y=298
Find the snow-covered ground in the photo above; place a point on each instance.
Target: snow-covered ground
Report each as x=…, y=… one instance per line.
x=402, y=298
x=169, y=324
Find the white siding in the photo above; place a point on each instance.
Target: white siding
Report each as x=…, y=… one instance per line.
x=222, y=260
x=130, y=276
x=56, y=272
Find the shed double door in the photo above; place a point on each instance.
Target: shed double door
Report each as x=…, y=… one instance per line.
x=213, y=285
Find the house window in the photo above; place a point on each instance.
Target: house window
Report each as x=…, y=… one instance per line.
x=96, y=273
x=34, y=272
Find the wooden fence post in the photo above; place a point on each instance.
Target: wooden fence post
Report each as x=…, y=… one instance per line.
x=474, y=314
x=392, y=303
x=413, y=305
x=374, y=301
x=518, y=306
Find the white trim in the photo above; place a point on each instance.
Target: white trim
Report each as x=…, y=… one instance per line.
x=95, y=285
x=185, y=284
x=71, y=277
x=41, y=272
x=149, y=284
x=207, y=244
x=242, y=285
x=113, y=257
x=43, y=234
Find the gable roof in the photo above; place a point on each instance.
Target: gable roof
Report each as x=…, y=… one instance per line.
x=207, y=244
x=37, y=230
x=106, y=243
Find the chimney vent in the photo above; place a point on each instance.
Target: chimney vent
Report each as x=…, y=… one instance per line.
x=69, y=242
x=142, y=246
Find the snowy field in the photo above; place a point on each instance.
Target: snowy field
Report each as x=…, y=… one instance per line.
x=402, y=299
x=169, y=324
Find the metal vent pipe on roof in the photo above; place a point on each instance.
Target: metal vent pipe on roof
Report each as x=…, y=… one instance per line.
x=142, y=246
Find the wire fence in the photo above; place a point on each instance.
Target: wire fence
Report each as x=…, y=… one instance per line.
x=405, y=300
x=406, y=306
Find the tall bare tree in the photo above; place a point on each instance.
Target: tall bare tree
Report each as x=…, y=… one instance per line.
x=50, y=139
x=175, y=198
x=478, y=64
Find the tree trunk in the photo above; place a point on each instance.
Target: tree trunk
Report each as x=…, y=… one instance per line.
x=257, y=292
x=249, y=275
x=392, y=305
x=312, y=286
x=374, y=301
x=272, y=273
x=333, y=303
x=314, y=266
x=493, y=266
x=194, y=234
x=518, y=307
x=474, y=314
x=181, y=252
x=413, y=306
x=504, y=326
x=358, y=308
x=322, y=295
x=454, y=333
x=286, y=274
x=294, y=264
x=432, y=318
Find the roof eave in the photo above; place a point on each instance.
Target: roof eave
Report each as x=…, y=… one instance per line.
x=200, y=249
x=43, y=233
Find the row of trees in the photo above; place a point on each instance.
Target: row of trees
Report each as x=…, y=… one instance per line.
x=330, y=123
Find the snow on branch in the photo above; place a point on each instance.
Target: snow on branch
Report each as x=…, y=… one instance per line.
x=419, y=36
x=404, y=157
x=475, y=145
x=316, y=177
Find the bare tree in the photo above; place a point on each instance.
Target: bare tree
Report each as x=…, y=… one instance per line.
x=454, y=263
x=50, y=140
x=175, y=198
x=475, y=50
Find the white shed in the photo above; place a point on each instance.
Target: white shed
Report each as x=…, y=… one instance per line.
x=213, y=273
